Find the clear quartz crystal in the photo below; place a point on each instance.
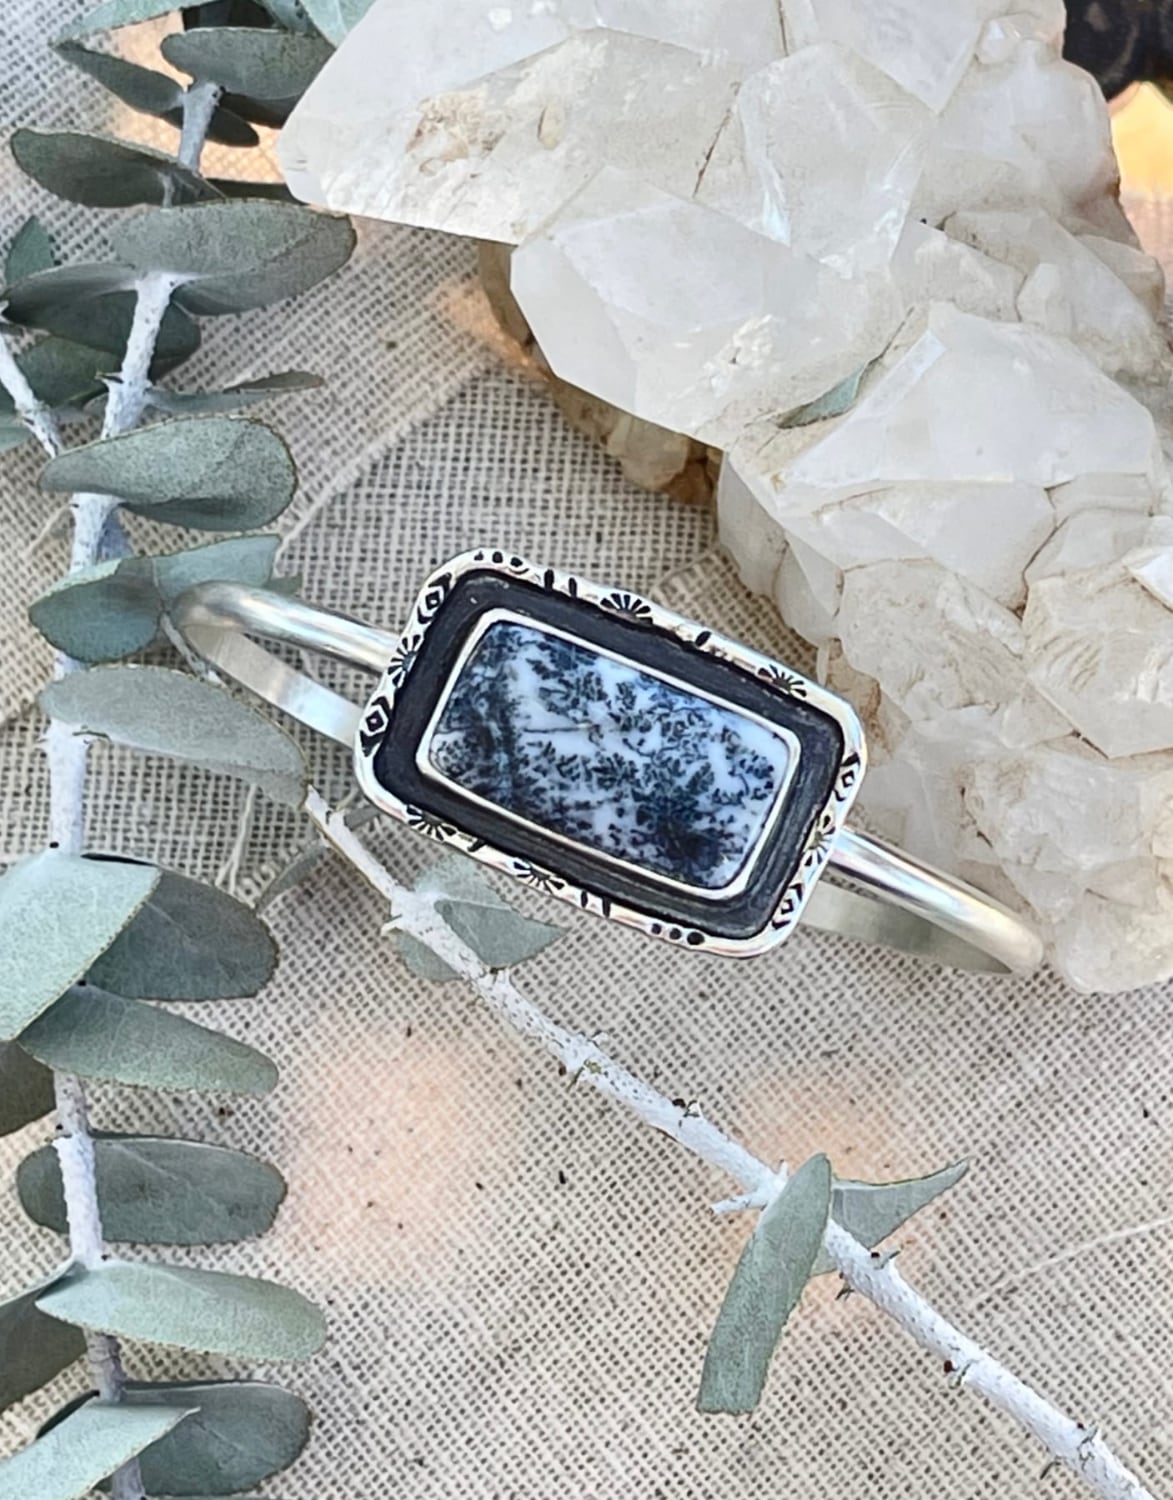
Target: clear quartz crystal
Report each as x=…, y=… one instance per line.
x=691, y=347
x=725, y=208
x=924, y=48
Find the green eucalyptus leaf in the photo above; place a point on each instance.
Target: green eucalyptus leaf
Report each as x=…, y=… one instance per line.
x=226, y=128
x=13, y=432
x=236, y=187
x=57, y=914
x=60, y=372
x=291, y=14
x=31, y=251
x=832, y=403
x=90, y=304
x=152, y=92
x=115, y=1040
x=334, y=18
x=154, y=1190
x=210, y=1311
x=240, y=559
x=144, y=89
x=226, y=13
x=263, y=64
x=272, y=113
x=240, y=1433
x=114, y=13
x=113, y=609
x=170, y=713
x=871, y=1211
x=102, y=172
x=189, y=941
x=767, y=1283
x=70, y=1460
x=238, y=255
x=213, y=473
x=26, y=1090
x=34, y=1348
x=295, y=873
x=100, y=613
x=498, y=935
x=62, y=285
x=234, y=397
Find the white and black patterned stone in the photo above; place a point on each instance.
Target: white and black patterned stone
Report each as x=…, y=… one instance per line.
x=620, y=761
x=396, y=744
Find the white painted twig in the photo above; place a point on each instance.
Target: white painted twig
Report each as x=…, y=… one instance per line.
x=199, y=105
x=35, y=415
x=874, y=1275
x=75, y=1151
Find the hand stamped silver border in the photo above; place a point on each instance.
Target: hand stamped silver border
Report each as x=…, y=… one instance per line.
x=378, y=712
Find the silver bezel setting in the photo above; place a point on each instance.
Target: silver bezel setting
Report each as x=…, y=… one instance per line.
x=379, y=709
x=705, y=893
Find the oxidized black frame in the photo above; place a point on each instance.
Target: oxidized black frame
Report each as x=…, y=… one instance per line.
x=830, y=765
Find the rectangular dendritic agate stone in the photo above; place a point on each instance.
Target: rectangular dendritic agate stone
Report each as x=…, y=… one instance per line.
x=587, y=746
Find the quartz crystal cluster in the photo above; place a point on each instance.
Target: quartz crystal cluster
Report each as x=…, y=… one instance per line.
x=871, y=250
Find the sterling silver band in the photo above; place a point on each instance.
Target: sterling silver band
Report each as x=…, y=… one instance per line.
x=897, y=901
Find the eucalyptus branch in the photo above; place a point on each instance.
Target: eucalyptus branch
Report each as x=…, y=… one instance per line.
x=66, y=751
x=67, y=756
x=870, y=1273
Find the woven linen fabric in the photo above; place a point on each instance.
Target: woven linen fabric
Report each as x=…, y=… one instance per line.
x=519, y=1278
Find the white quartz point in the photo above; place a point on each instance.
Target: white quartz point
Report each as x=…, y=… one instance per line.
x=930, y=267
x=1069, y=289
x=747, y=32
x=932, y=642
x=754, y=539
x=1100, y=648
x=1151, y=562
x=1001, y=36
x=481, y=119
x=1099, y=491
x=730, y=325
x=1117, y=938
x=973, y=401
x=1024, y=803
x=925, y=47
x=808, y=590
x=1088, y=539
x=823, y=152
x=997, y=145
x=986, y=533
x=1140, y=273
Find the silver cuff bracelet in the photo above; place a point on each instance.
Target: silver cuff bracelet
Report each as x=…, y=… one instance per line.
x=615, y=755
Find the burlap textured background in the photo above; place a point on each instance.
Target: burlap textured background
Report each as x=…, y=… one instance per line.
x=519, y=1279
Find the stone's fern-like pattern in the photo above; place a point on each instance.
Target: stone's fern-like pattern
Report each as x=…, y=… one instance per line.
x=625, y=763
